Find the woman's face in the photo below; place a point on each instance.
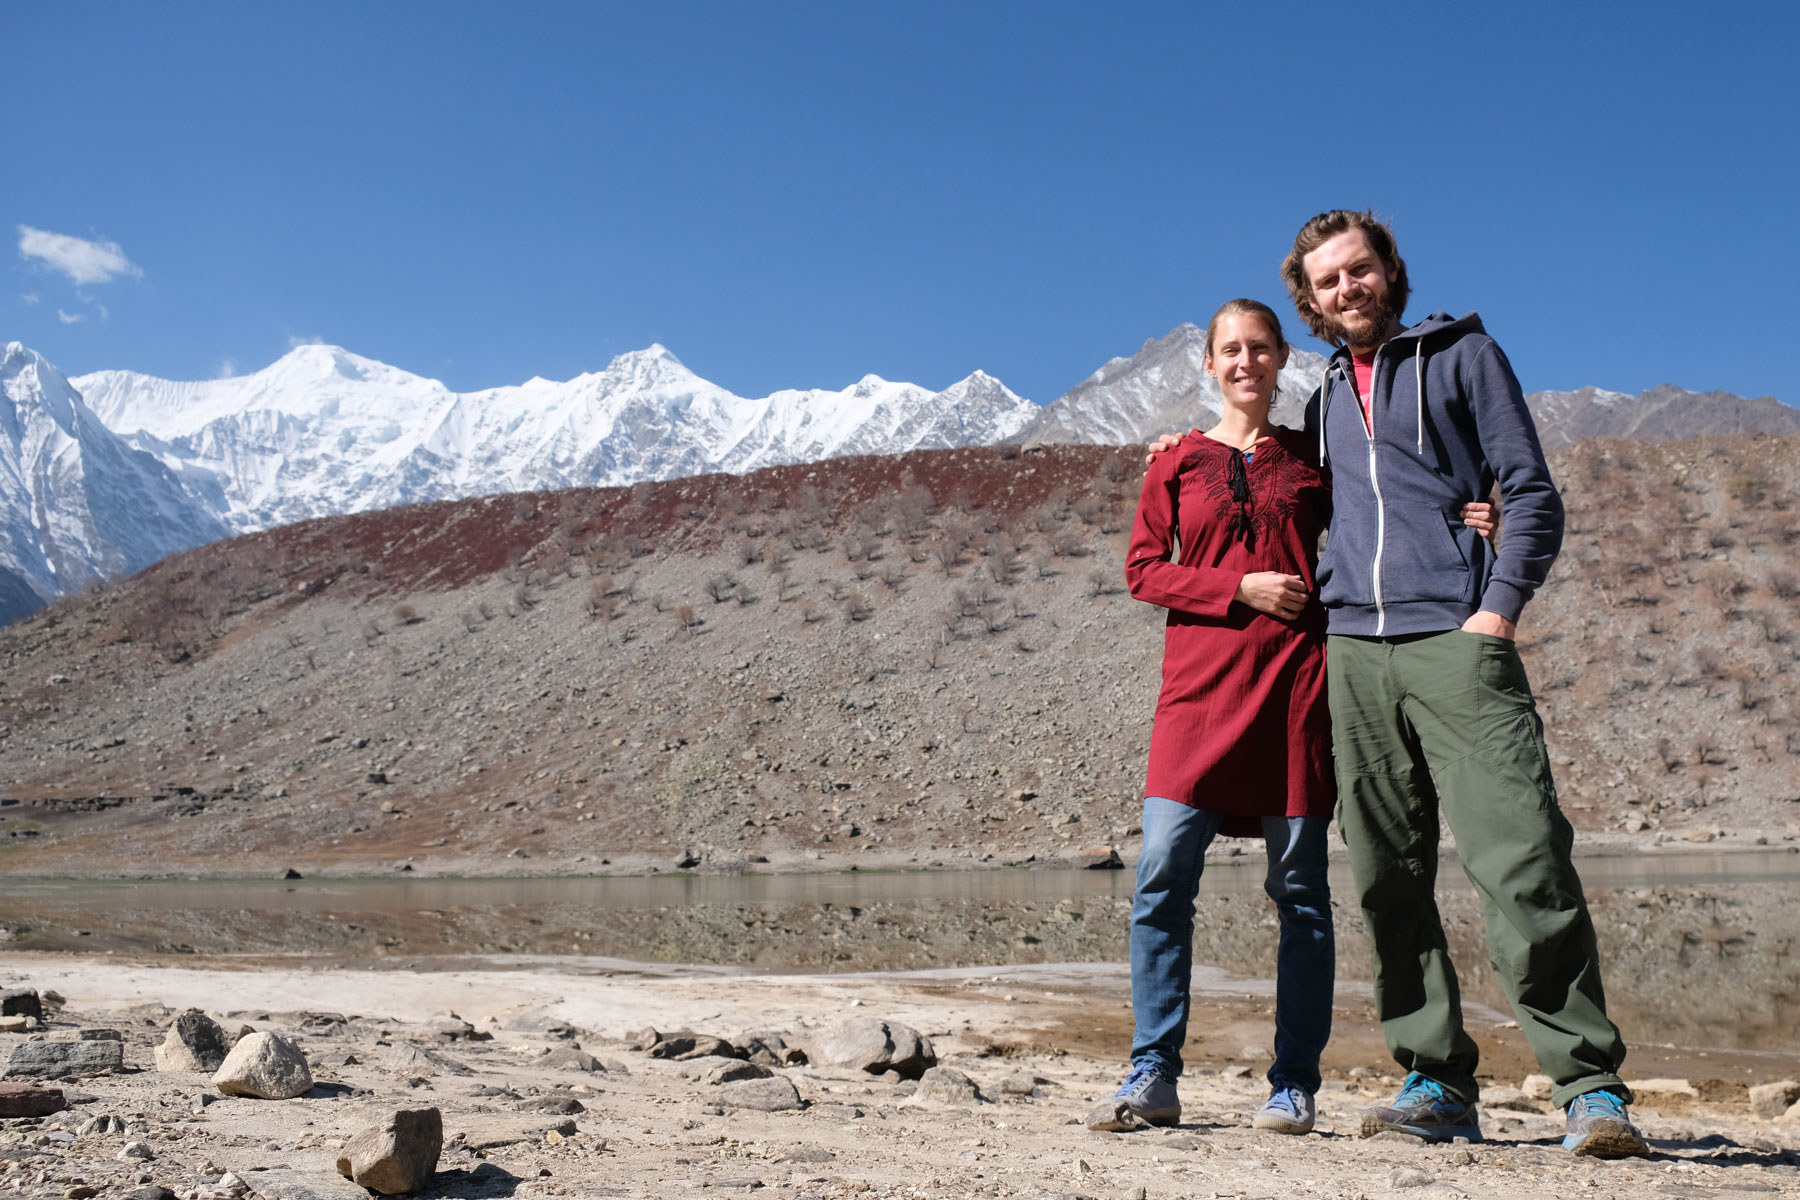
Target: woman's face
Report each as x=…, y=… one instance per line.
x=1245, y=359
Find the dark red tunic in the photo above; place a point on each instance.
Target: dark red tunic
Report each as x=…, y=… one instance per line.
x=1241, y=725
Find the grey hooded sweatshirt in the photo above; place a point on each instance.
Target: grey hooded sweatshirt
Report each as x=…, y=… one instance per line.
x=1449, y=421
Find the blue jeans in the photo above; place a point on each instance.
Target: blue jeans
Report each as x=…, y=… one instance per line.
x=1162, y=937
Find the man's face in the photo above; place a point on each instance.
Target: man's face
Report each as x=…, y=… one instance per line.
x=1350, y=286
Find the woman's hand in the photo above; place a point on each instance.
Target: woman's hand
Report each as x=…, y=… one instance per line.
x=1165, y=442
x=1272, y=592
x=1479, y=516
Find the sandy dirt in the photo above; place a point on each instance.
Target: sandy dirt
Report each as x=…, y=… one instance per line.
x=1041, y=1041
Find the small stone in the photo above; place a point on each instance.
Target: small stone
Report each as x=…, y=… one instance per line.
x=947, y=1085
x=1538, y=1087
x=80, y=1191
x=30, y=1100
x=645, y=1038
x=397, y=1156
x=1410, y=1177
x=408, y=1059
x=265, y=1066
x=150, y=1192
x=776, y=1094
x=195, y=1042
x=1100, y=858
x=1771, y=1100
x=63, y=1060
x=737, y=1070
x=1463, y=1158
x=21, y=1002
x=570, y=1058
x=229, y=1182
x=875, y=1046
x=99, y=1035
x=1017, y=1084
x=1235, y=1071
x=135, y=1152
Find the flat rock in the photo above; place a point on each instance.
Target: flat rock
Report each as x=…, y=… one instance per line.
x=681, y=1046
x=1771, y=1100
x=265, y=1066
x=1511, y=1099
x=283, y=1184
x=409, y=1059
x=1409, y=1177
x=736, y=1070
x=1663, y=1087
x=769, y=1049
x=195, y=1042
x=30, y=1100
x=876, y=1046
x=64, y=1060
x=486, y=1133
x=570, y=1058
x=21, y=1002
x=947, y=1085
x=398, y=1156
x=1100, y=858
x=775, y=1094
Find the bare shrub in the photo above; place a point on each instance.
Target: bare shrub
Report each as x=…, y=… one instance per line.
x=486, y=610
x=1784, y=586
x=1102, y=583
x=1089, y=508
x=892, y=576
x=966, y=601
x=948, y=553
x=599, y=600
x=522, y=598
x=749, y=551
x=857, y=607
x=809, y=612
x=472, y=620
x=1044, y=563
x=837, y=589
x=745, y=597
x=719, y=587
x=406, y=614
x=1116, y=469
x=785, y=588
x=1709, y=664
x=524, y=508
x=370, y=630
x=684, y=617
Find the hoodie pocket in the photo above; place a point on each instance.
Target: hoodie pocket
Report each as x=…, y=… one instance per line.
x=1423, y=557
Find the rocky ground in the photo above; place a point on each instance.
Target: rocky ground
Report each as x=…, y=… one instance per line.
x=1022, y=1054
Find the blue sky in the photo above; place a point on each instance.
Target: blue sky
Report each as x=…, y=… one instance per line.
x=793, y=195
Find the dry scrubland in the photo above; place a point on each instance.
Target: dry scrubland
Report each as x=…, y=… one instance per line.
x=921, y=660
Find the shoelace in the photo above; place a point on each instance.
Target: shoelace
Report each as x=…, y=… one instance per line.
x=1140, y=1075
x=1286, y=1099
x=1418, y=1086
x=1601, y=1103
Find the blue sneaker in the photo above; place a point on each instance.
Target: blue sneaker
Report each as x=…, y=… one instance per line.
x=1425, y=1110
x=1147, y=1097
x=1600, y=1128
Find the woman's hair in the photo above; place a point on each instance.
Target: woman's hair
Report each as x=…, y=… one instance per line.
x=1322, y=229
x=1245, y=308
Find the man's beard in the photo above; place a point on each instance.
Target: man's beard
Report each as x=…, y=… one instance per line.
x=1369, y=331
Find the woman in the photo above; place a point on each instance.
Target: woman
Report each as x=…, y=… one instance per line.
x=1226, y=538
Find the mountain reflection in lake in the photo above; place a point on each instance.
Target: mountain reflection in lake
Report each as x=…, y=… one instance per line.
x=1698, y=949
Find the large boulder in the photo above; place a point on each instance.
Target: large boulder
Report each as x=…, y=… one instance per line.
x=397, y=1156
x=265, y=1066
x=876, y=1047
x=64, y=1060
x=195, y=1042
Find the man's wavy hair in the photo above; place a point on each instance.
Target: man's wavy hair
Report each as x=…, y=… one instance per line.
x=1316, y=233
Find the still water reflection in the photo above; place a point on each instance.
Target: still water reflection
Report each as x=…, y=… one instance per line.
x=1698, y=948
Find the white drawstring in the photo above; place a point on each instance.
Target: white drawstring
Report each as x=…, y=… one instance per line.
x=1419, y=387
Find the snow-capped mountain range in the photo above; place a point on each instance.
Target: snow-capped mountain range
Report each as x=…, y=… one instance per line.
x=105, y=473
x=325, y=431
x=79, y=502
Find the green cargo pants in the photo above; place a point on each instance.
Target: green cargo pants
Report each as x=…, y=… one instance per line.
x=1448, y=718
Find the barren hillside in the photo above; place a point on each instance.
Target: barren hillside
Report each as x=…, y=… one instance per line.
x=913, y=660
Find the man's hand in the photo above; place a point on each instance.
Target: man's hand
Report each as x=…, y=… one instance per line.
x=1272, y=592
x=1479, y=516
x=1165, y=442
x=1491, y=623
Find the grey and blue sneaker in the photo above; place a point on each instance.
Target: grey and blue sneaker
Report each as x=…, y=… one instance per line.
x=1288, y=1110
x=1425, y=1110
x=1147, y=1097
x=1599, y=1127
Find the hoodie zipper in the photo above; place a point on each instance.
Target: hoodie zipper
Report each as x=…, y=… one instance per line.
x=1380, y=508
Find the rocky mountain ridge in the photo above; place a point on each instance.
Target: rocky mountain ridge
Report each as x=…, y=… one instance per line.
x=896, y=660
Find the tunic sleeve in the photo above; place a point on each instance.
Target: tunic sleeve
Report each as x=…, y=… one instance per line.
x=1151, y=577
